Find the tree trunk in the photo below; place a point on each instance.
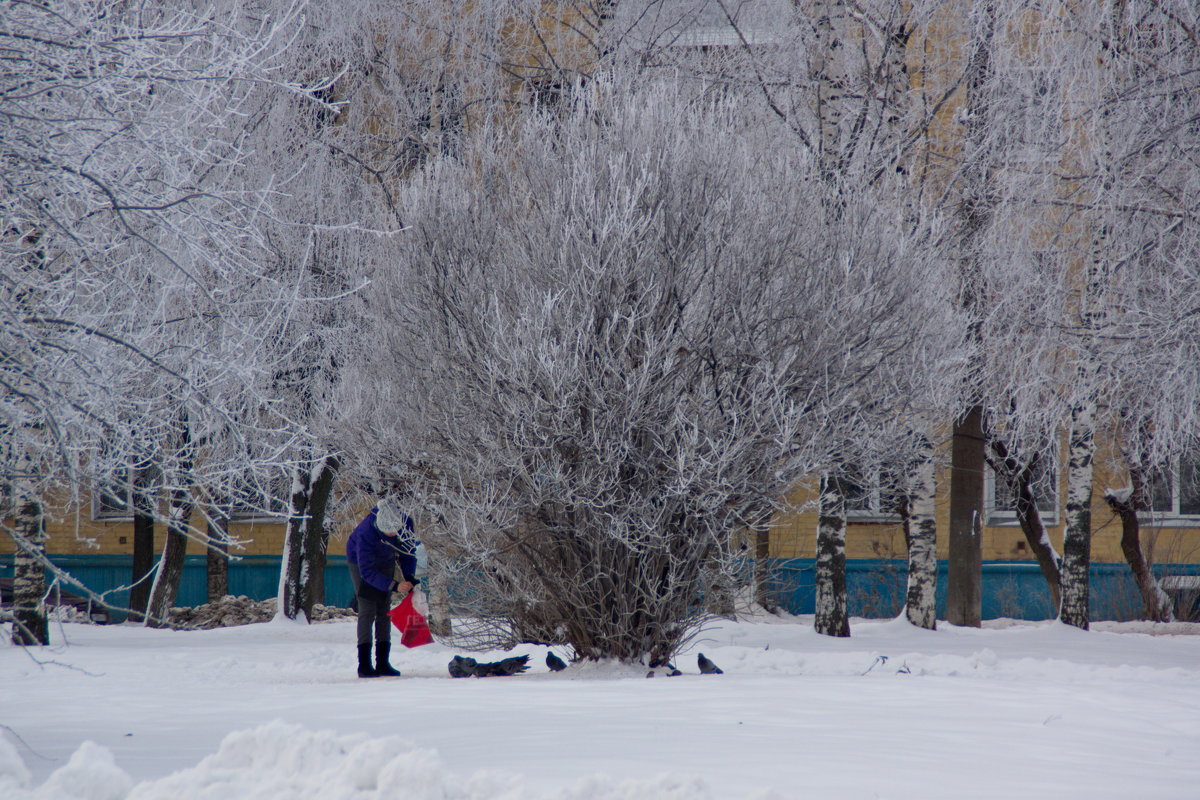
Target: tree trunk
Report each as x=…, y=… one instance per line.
x=170, y=565
x=1019, y=478
x=764, y=588
x=29, y=575
x=302, y=568
x=965, y=572
x=832, y=618
x=316, y=536
x=977, y=202
x=1156, y=603
x=291, y=560
x=439, y=597
x=828, y=84
x=143, y=503
x=217, y=561
x=920, y=599
x=1077, y=541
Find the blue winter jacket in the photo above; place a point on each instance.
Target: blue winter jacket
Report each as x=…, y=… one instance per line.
x=377, y=554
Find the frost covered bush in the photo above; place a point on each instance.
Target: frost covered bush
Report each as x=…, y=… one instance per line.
x=617, y=337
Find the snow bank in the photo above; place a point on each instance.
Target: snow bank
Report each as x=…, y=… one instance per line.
x=91, y=774
x=284, y=760
x=13, y=775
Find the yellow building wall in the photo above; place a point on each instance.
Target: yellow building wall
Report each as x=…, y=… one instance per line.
x=794, y=535
x=72, y=529
x=72, y=533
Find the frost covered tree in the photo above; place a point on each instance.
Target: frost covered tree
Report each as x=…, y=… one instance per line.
x=1137, y=171
x=1094, y=195
x=837, y=76
x=137, y=299
x=400, y=84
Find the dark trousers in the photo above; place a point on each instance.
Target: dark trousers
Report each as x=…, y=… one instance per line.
x=372, y=610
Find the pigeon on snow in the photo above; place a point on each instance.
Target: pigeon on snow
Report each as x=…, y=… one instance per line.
x=505, y=666
x=555, y=663
x=464, y=667
x=461, y=667
x=707, y=667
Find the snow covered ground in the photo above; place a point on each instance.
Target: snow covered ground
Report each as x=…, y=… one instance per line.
x=1015, y=710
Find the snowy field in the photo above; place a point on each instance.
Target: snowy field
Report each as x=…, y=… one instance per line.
x=1016, y=710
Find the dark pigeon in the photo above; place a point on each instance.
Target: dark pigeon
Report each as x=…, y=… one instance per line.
x=506, y=666
x=707, y=667
x=461, y=667
x=464, y=667
x=555, y=663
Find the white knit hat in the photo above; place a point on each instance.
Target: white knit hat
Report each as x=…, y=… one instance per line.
x=388, y=518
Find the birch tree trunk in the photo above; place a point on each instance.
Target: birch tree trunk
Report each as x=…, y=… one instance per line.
x=1093, y=319
x=920, y=599
x=1077, y=540
x=828, y=80
x=832, y=618
x=29, y=575
x=828, y=84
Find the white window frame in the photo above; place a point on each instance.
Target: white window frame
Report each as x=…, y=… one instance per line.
x=873, y=494
x=1173, y=517
x=102, y=512
x=1008, y=516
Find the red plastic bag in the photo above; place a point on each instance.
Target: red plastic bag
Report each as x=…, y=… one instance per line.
x=414, y=630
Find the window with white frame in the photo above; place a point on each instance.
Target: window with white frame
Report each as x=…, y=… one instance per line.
x=870, y=494
x=110, y=501
x=1002, y=501
x=1175, y=491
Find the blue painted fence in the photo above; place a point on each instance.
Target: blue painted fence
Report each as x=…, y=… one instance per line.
x=255, y=577
x=875, y=588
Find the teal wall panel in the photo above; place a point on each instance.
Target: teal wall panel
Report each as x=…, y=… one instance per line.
x=875, y=588
x=256, y=578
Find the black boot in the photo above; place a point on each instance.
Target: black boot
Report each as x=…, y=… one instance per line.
x=365, y=670
x=382, y=668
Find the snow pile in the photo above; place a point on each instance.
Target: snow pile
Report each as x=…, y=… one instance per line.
x=232, y=611
x=91, y=774
x=284, y=760
x=13, y=774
